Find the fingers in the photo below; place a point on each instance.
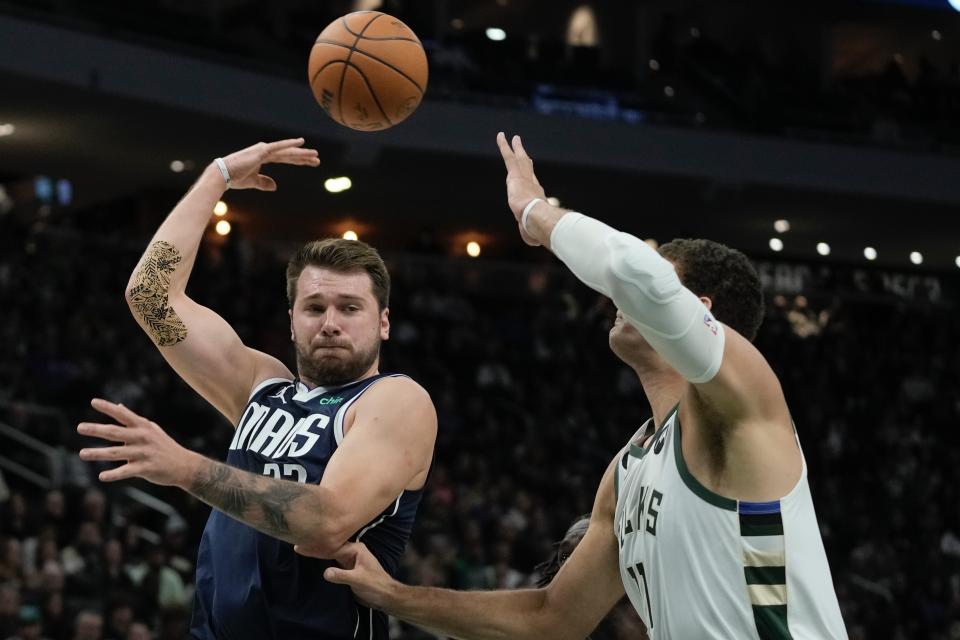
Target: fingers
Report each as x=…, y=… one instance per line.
x=266, y=183
x=308, y=157
x=289, y=143
x=509, y=159
x=336, y=576
x=123, y=472
x=519, y=150
x=104, y=431
x=116, y=411
x=109, y=454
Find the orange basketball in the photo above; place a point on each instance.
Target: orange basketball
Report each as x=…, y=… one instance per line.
x=368, y=70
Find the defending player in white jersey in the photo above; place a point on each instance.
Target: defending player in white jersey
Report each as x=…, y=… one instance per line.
x=705, y=518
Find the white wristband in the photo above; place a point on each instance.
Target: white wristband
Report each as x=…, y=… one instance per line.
x=526, y=212
x=223, y=170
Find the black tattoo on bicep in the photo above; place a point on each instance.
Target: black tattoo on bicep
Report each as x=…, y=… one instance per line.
x=263, y=503
x=150, y=294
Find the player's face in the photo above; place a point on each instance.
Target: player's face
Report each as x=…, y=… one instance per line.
x=626, y=342
x=336, y=326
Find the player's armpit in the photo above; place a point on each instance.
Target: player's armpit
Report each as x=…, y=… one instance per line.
x=387, y=449
x=200, y=346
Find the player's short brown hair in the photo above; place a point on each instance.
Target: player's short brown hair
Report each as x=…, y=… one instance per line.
x=342, y=256
x=725, y=276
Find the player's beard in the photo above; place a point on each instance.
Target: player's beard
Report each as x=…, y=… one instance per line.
x=327, y=371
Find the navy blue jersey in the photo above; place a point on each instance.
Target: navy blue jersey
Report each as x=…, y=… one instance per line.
x=253, y=586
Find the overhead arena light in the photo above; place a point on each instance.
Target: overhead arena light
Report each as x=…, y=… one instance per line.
x=776, y=244
x=870, y=253
x=473, y=249
x=223, y=227
x=7, y=129
x=781, y=226
x=823, y=248
x=350, y=234
x=337, y=185
x=220, y=209
x=916, y=257
x=496, y=34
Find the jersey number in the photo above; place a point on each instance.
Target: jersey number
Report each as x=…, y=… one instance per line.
x=637, y=573
x=289, y=470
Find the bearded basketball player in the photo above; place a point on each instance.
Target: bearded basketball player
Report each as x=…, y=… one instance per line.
x=337, y=453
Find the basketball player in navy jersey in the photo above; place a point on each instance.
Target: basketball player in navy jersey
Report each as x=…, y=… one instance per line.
x=338, y=453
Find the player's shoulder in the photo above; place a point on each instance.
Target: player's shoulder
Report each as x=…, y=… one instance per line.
x=397, y=386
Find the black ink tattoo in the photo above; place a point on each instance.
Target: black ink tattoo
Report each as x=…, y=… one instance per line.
x=260, y=502
x=150, y=294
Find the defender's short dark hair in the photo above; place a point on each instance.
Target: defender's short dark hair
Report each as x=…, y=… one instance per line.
x=725, y=276
x=342, y=256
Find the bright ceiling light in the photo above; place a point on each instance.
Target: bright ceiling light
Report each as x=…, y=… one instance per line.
x=337, y=185
x=916, y=257
x=955, y=4
x=177, y=166
x=223, y=227
x=781, y=226
x=776, y=244
x=350, y=234
x=220, y=209
x=870, y=253
x=496, y=34
x=473, y=249
x=823, y=248
x=957, y=261
x=7, y=129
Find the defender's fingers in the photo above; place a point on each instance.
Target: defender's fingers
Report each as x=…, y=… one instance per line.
x=292, y=155
x=105, y=453
x=284, y=144
x=519, y=150
x=266, y=183
x=105, y=431
x=509, y=159
x=118, y=412
x=336, y=576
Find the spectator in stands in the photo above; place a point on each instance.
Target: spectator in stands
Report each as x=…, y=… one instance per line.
x=88, y=625
x=138, y=631
x=9, y=609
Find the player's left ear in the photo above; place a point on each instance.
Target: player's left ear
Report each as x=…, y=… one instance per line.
x=707, y=302
x=385, y=324
x=293, y=336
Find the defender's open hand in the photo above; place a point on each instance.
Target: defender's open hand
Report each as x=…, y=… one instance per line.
x=244, y=165
x=522, y=183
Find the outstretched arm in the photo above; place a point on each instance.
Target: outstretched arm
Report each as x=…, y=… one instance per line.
x=582, y=593
x=202, y=348
x=727, y=369
x=396, y=426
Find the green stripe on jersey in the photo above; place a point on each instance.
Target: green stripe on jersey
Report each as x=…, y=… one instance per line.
x=761, y=524
x=765, y=575
x=772, y=622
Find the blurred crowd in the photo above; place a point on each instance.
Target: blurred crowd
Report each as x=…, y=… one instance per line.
x=864, y=77
x=532, y=406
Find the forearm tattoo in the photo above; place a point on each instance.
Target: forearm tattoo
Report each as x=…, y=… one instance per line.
x=260, y=502
x=150, y=294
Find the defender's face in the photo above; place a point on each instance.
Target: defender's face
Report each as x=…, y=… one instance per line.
x=336, y=325
x=626, y=342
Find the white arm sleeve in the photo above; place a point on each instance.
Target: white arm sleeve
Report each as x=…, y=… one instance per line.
x=646, y=289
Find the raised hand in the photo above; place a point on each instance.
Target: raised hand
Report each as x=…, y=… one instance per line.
x=244, y=165
x=145, y=449
x=522, y=183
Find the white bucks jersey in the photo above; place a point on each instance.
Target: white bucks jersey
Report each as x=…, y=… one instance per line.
x=697, y=565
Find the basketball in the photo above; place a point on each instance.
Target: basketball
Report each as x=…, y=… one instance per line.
x=368, y=70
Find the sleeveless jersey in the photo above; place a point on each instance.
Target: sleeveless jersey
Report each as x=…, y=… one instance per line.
x=697, y=565
x=252, y=586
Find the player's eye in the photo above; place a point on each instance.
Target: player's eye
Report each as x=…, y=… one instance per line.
x=351, y=308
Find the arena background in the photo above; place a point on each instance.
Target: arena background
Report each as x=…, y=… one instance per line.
x=773, y=127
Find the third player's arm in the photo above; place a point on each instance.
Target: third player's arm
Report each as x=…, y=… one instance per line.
x=202, y=348
x=583, y=592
